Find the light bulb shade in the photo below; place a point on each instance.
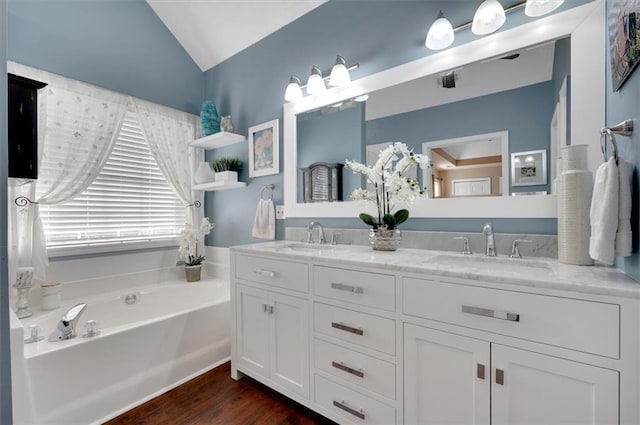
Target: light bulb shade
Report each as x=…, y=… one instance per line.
x=488, y=18
x=315, y=83
x=339, y=73
x=293, y=92
x=535, y=8
x=440, y=35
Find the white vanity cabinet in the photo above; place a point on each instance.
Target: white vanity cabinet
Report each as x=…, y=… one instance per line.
x=272, y=328
x=364, y=341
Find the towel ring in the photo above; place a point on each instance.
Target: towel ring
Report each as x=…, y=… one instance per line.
x=269, y=188
x=603, y=145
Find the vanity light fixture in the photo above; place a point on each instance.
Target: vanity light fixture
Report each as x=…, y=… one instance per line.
x=294, y=91
x=541, y=7
x=318, y=81
x=440, y=35
x=315, y=83
x=489, y=17
x=339, y=73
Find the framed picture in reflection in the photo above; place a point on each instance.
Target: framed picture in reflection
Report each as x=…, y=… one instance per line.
x=529, y=168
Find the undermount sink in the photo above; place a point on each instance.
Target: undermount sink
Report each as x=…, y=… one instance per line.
x=484, y=261
x=304, y=247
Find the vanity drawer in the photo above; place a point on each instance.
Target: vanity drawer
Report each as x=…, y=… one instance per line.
x=351, y=406
x=283, y=274
x=363, y=329
x=587, y=326
x=364, y=288
x=359, y=369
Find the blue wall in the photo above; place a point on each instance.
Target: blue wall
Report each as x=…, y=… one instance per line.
x=622, y=105
x=525, y=112
x=332, y=135
x=376, y=34
x=119, y=45
x=5, y=350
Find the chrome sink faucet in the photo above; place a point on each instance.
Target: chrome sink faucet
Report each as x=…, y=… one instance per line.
x=66, y=328
x=490, y=250
x=321, y=238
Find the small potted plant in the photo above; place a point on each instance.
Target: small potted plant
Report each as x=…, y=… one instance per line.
x=226, y=169
x=190, y=238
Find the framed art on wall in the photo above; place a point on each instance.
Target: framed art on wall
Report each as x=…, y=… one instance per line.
x=624, y=40
x=529, y=168
x=263, y=149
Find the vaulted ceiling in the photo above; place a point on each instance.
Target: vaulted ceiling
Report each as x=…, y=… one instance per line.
x=214, y=30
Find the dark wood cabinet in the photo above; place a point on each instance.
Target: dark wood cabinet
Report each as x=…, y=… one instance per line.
x=23, y=126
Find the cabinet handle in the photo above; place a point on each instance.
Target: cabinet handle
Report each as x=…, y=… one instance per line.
x=263, y=272
x=354, y=412
x=348, y=288
x=347, y=328
x=480, y=371
x=499, y=376
x=270, y=309
x=357, y=372
x=264, y=308
x=496, y=314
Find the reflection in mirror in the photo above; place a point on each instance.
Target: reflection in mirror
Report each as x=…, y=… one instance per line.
x=469, y=120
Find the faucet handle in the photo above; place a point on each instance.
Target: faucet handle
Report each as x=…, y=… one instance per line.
x=465, y=247
x=334, y=238
x=515, y=248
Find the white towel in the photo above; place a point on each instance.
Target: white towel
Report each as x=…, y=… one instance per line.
x=624, y=236
x=264, y=225
x=604, y=213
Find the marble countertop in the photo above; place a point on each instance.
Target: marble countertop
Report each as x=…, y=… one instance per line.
x=535, y=272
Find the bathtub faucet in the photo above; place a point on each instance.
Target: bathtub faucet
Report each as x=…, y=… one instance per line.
x=66, y=328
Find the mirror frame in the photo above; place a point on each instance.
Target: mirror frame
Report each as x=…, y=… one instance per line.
x=585, y=25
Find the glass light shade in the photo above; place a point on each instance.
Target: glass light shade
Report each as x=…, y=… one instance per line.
x=339, y=73
x=315, y=83
x=488, y=18
x=440, y=35
x=535, y=8
x=293, y=92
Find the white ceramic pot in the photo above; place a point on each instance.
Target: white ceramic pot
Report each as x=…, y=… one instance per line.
x=203, y=174
x=227, y=176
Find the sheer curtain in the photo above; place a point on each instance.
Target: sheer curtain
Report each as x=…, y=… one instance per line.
x=168, y=132
x=78, y=126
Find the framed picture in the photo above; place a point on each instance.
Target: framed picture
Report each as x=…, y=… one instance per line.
x=263, y=149
x=624, y=40
x=529, y=168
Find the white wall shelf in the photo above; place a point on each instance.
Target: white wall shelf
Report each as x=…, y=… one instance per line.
x=217, y=140
x=221, y=185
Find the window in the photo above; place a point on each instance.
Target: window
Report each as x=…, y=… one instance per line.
x=129, y=204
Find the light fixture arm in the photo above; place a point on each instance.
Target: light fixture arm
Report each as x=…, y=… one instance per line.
x=506, y=11
x=326, y=75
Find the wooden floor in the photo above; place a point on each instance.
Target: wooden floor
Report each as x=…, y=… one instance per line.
x=215, y=398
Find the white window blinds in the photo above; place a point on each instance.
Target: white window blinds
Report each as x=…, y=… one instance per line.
x=128, y=204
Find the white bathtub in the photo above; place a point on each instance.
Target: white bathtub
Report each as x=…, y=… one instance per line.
x=175, y=331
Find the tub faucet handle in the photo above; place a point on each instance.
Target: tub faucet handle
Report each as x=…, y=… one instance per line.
x=66, y=328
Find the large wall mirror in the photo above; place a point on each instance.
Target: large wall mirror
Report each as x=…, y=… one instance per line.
x=473, y=109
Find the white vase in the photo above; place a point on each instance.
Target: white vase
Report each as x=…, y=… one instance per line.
x=227, y=176
x=203, y=174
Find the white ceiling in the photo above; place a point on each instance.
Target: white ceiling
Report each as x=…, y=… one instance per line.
x=214, y=30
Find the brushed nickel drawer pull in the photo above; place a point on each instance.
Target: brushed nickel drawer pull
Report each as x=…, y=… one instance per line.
x=347, y=328
x=480, y=371
x=264, y=308
x=496, y=314
x=357, y=372
x=499, y=376
x=354, y=412
x=266, y=273
x=270, y=309
x=348, y=288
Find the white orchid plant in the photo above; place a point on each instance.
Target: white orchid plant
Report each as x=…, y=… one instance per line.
x=391, y=186
x=190, y=237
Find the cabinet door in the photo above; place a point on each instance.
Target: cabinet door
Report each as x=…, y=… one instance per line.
x=446, y=378
x=252, y=330
x=531, y=388
x=289, y=343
